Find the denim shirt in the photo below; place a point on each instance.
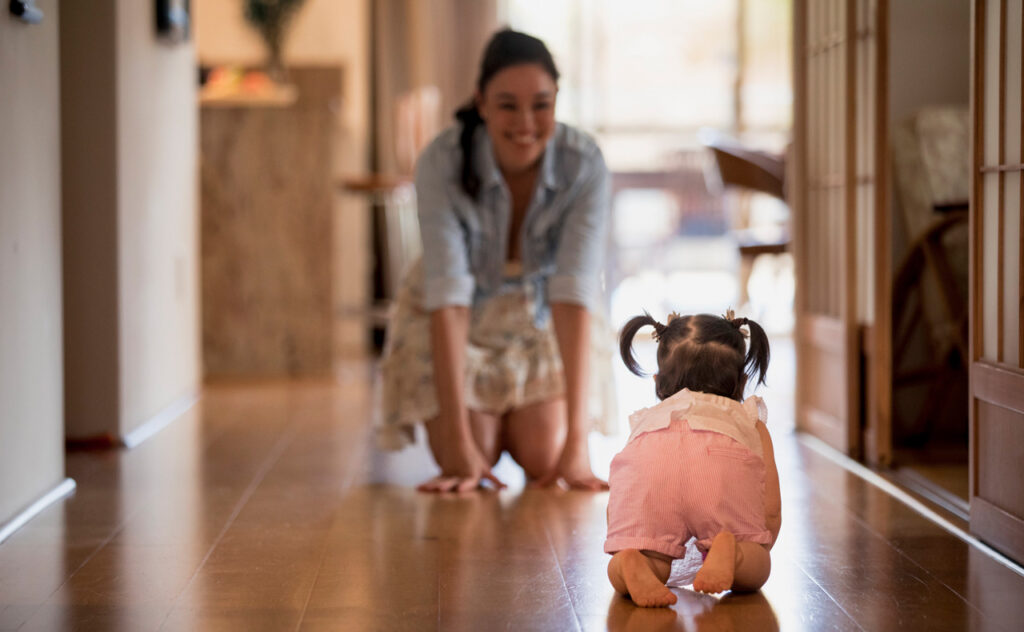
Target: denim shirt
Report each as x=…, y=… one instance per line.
x=465, y=241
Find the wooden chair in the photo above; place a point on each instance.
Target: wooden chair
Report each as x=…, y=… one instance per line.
x=750, y=170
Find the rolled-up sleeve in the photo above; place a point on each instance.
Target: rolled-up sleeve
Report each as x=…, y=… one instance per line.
x=582, y=245
x=447, y=279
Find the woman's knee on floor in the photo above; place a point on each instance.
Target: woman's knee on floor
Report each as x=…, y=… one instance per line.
x=535, y=436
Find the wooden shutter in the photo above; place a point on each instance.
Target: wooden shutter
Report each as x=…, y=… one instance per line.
x=824, y=203
x=996, y=290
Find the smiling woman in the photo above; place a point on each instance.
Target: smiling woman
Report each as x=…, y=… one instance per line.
x=496, y=340
x=519, y=108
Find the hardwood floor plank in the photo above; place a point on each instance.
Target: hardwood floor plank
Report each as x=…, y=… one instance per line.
x=272, y=550
x=379, y=549
x=576, y=523
x=853, y=558
x=251, y=619
x=94, y=617
x=374, y=619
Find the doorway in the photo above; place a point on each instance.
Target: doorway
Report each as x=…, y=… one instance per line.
x=929, y=123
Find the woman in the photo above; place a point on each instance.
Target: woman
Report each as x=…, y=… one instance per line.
x=489, y=341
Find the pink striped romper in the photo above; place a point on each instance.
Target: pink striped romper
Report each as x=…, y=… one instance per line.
x=692, y=467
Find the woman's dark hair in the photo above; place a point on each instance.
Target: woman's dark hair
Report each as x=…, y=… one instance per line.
x=702, y=353
x=506, y=48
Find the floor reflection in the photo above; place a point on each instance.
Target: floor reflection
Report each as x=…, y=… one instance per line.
x=695, y=612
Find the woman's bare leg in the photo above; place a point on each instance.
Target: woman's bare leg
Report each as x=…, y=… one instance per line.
x=641, y=576
x=486, y=430
x=534, y=435
x=740, y=566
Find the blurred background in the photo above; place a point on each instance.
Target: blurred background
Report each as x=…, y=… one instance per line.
x=669, y=89
x=657, y=83
x=204, y=191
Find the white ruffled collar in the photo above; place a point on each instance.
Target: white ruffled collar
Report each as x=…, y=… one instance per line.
x=681, y=401
x=660, y=415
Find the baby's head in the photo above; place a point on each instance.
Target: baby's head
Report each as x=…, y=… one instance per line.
x=702, y=353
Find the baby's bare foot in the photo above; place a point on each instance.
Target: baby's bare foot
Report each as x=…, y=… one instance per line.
x=631, y=570
x=719, y=568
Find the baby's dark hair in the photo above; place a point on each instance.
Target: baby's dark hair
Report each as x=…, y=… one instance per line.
x=702, y=353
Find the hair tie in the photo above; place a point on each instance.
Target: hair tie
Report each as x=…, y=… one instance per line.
x=736, y=322
x=658, y=330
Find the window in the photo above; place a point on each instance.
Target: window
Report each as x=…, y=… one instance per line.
x=645, y=75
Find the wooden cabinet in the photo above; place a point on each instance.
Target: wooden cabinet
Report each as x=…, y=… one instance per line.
x=268, y=279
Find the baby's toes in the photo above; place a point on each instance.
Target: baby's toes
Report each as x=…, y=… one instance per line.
x=709, y=583
x=655, y=599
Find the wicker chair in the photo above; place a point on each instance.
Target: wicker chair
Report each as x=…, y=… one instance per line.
x=931, y=177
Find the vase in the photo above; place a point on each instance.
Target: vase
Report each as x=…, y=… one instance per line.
x=276, y=69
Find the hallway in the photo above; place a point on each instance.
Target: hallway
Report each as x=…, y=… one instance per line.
x=264, y=509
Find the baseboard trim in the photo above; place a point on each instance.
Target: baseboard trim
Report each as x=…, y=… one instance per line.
x=64, y=488
x=159, y=421
x=918, y=484
x=899, y=494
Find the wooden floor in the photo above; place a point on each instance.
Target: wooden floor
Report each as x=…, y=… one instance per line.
x=264, y=509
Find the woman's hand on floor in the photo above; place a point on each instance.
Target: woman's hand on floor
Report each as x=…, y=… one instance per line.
x=463, y=471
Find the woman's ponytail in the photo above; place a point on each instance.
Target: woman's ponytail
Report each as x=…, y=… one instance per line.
x=469, y=118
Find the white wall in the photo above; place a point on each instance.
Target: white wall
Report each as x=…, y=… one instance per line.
x=929, y=54
x=929, y=64
x=130, y=210
x=31, y=392
x=157, y=192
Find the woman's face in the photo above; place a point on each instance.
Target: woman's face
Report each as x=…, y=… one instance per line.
x=518, y=108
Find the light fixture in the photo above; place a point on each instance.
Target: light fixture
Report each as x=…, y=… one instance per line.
x=27, y=11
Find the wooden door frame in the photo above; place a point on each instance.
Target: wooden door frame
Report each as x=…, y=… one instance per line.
x=973, y=225
x=848, y=305
x=879, y=370
x=870, y=399
x=828, y=335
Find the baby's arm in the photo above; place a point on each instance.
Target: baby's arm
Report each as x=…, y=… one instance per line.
x=772, y=495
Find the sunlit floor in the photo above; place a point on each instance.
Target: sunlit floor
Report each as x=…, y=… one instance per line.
x=265, y=508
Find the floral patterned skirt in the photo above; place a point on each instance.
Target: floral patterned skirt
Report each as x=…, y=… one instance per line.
x=510, y=362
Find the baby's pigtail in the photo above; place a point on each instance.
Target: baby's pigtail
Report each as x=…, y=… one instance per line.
x=758, y=354
x=629, y=331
